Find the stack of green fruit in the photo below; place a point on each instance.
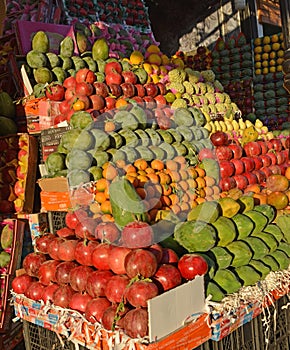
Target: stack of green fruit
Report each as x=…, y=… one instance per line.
x=239, y=240
x=271, y=100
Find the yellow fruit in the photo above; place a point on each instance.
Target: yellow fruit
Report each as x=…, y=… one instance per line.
x=279, y=60
x=265, y=70
x=272, y=54
x=178, y=95
x=258, y=65
x=267, y=48
x=257, y=41
x=156, y=68
x=258, y=57
x=258, y=71
x=258, y=49
x=272, y=63
x=155, y=78
x=148, y=68
x=275, y=38
x=163, y=70
x=283, y=45
x=178, y=62
x=280, y=53
x=153, y=48
x=154, y=58
x=265, y=63
x=165, y=59
x=276, y=46
x=279, y=68
x=272, y=69
x=265, y=56
x=136, y=57
x=170, y=97
x=266, y=40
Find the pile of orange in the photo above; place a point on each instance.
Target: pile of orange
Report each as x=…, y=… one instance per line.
x=163, y=185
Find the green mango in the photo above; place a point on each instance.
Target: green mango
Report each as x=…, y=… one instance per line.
x=195, y=236
x=241, y=252
x=40, y=42
x=183, y=117
x=7, y=106
x=247, y=274
x=267, y=238
x=101, y=139
x=141, y=74
x=4, y=259
x=145, y=153
x=208, y=211
x=126, y=204
x=259, y=219
x=144, y=139
x=66, y=47
x=246, y=203
x=275, y=231
x=140, y=115
x=170, y=151
x=81, y=120
x=222, y=257
x=92, y=65
x=36, y=59
x=154, y=136
x=260, y=267
x=258, y=247
x=100, y=49
x=268, y=210
x=78, y=63
x=227, y=280
x=59, y=74
x=282, y=259
x=96, y=172
x=100, y=157
x=7, y=236
x=53, y=60
x=158, y=152
x=43, y=75
x=66, y=63
x=177, y=136
x=131, y=139
x=116, y=140
x=180, y=148
x=226, y=230
x=165, y=136
x=285, y=247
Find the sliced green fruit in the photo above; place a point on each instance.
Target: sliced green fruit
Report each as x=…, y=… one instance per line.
x=275, y=231
x=144, y=139
x=260, y=267
x=165, y=135
x=270, y=261
x=285, y=247
x=258, y=246
x=282, y=259
x=269, y=239
x=222, y=257
x=145, y=153
x=268, y=210
x=215, y=291
x=154, y=136
x=246, y=203
x=259, y=219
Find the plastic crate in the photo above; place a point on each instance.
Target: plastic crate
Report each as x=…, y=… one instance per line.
x=40, y=338
x=56, y=220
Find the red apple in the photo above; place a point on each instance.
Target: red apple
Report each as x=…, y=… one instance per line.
x=140, y=90
x=160, y=100
x=150, y=102
x=266, y=160
x=113, y=78
x=223, y=153
x=138, y=99
x=273, y=157
x=84, y=88
x=260, y=176
x=151, y=89
x=227, y=168
x=241, y=181
x=281, y=157
x=275, y=168
x=128, y=89
x=276, y=143
x=110, y=102
x=237, y=150
x=113, y=67
x=258, y=162
x=227, y=183
x=266, y=171
x=101, y=89
x=115, y=89
x=98, y=102
x=252, y=148
x=219, y=138
x=162, y=88
x=249, y=163
x=85, y=75
x=252, y=178
x=239, y=166
x=263, y=145
x=129, y=77
x=69, y=82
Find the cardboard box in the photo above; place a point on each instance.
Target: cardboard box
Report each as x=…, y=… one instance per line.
x=186, y=303
x=50, y=139
x=38, y=224
x=56, y=194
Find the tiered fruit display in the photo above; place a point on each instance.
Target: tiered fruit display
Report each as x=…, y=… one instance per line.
x=233, y=65
x=268, y=54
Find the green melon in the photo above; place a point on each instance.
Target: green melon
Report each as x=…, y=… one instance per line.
x=275, y=231
x=281, y=258
x=270, y=261
x=247, y=274
x=259, y=219
x=269, y=239
x=215, y=291
x=226, y=230
x=222, y=257
x=227, y=280
x=260, y=267
x=242, y=253
x=258, y=246
x=244, y=225
x=268, y=210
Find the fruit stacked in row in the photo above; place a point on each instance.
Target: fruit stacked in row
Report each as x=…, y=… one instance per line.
x=6, y=240
x=271, y=100
x=239, y=240
x=109, y=284
x=232, y=64
x=268, y=54
x=253, y=163
x=137, y=133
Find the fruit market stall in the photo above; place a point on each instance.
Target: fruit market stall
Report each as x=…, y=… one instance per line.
x=163, y=190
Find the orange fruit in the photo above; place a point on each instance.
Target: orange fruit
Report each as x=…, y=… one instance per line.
x=200, y=182
x=165, y=200
x=106, y=207
x=174, y=198
x=102, y=184
x=200, y=200
x=183, y=184
x=109, y=126
x=176, y=208
x=129, y=168
x=141, y=164
x=107, y=218
x=149, y=170
x=157, y=164
x=166, y=190
x=277, y=182
x=164, y=178
x=100, y=197
x=136, y=57
x=278, y=199
x=121, y=103
x=200, y=171
x=133, y=179
x=110, y=172
x=210, y=181
x=171, y=164
x=180, y=160
x=120, y=163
